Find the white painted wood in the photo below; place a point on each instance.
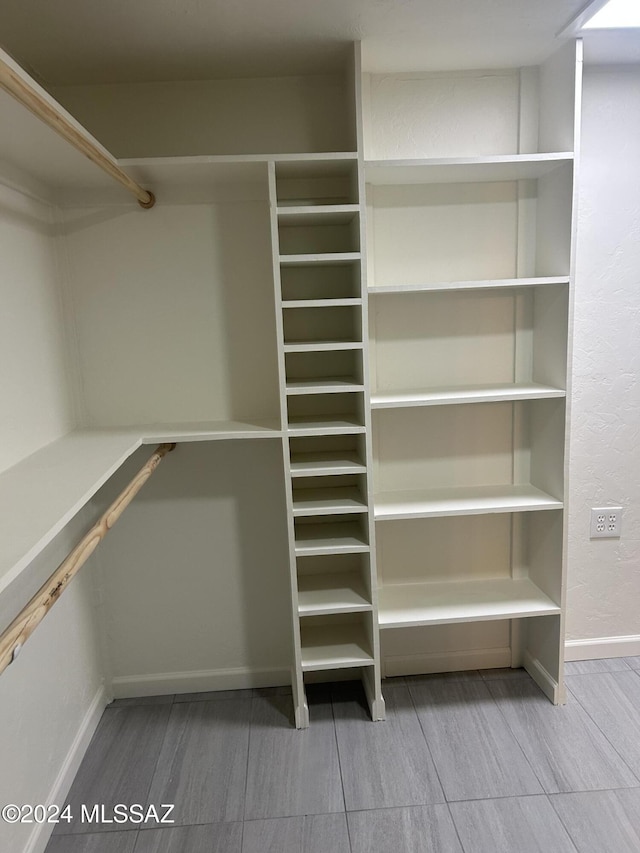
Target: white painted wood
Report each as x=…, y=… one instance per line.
x=334, y=647
x=471, y=500
x=327, y=501
x=318, y=463
x=482, y=284
x=321, y=303
x=322, y=346
x=325, y=258
x=329, y=425
x=325, y=594
x=345, y=537
x=461, y=395
x=558, y=85
x=406, y=605
x=445, y=170
x=323, y=386
x=317, y=214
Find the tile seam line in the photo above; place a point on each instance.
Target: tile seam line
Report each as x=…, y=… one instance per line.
x=344, y=799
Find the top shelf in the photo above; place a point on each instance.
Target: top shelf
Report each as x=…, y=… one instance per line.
x=456, y=170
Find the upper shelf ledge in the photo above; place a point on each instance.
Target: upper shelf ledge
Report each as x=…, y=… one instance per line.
x=454, y=170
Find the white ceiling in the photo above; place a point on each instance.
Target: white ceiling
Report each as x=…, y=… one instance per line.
x=108, y=41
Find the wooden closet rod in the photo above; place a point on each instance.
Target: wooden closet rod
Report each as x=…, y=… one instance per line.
x=12, y=640
x=19, y=87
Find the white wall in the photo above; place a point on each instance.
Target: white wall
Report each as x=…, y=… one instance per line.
x=34, y=391
x=604, y=575
x=52, y=696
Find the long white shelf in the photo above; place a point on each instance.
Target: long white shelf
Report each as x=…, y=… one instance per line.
x=334, y=647
x=332, y=385
x=325, y=425
x=461, y=394
x=328, y=302
x=41, y=494
x=479, y=284
x=316, y=214
x=453, y=170
x=327, y=501
x=472, y=500
x=342, y=537
x=326, y=463
x=444, y=603
x=334, y=592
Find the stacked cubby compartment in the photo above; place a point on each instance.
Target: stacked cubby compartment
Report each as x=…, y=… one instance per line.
x=470, y=275
x=317, y=250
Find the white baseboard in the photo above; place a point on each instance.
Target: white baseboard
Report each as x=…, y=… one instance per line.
x=603, y=647
x=199, y=681
x=39, y=838
x=445, y=661
x=543, y=678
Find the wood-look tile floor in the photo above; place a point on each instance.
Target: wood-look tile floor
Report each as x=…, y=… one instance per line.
x=476, y=762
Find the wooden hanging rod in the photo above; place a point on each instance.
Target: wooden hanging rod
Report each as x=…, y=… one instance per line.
x=12, y=640
x=19, y=86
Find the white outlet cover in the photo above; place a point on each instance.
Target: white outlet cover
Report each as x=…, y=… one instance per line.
x=606, y=522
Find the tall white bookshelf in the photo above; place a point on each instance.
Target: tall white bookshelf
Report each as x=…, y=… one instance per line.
x=470, y=219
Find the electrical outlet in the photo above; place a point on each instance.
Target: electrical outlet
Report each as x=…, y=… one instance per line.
x=606, y=522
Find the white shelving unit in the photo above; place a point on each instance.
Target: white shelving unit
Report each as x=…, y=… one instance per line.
x=316, y=229
x=470, y=273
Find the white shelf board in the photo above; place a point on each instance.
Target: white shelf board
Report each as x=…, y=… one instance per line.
x=464, y=394
x=472, y=500
x=330, y=385
x=334, y=647
x=444, y=603
x=321, y=346
x=327, y=501
x=41, y=494
x=335, y=592
x=480, y=284
x=347, y=302
x=319, y=259
x=341, y=537
x=316, y=214
x=453, y=170
x=326, y=462
x=328, y=425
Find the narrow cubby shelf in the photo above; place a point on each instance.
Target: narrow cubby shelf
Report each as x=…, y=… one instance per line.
x=340, y=500
x=330, y=385
x=331, y=593
x=319, y=258
x=480, y=284
x=462, y=500
x=334, y=647
x=316, y=214
x=340, y=537
x=329, y=302
x=445, y=170
x=405, y=605
x=321, y=346
x=319, y=463
x=335, y=424
x=488, y=393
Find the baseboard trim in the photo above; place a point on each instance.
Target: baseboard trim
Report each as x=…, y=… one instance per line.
x=603, y=647
x=199, y=681
x=543, y=678
x=41, y=834
x=445, y=662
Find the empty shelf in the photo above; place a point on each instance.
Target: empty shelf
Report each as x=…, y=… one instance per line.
x=317, y=214
x=472, y=500
x=326, y=462
x=334, y=647
x=328, y=302
x=406, y=605
x=332, y=385
x=328, y=501
x=346, y=537
x=480, y=284
x=464, y=394
x=336, y=592
x=319, y=258
x=453, y=170
x=321, y=346
x=325, y=425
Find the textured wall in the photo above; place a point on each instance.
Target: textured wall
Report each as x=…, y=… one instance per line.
x=604, y=575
